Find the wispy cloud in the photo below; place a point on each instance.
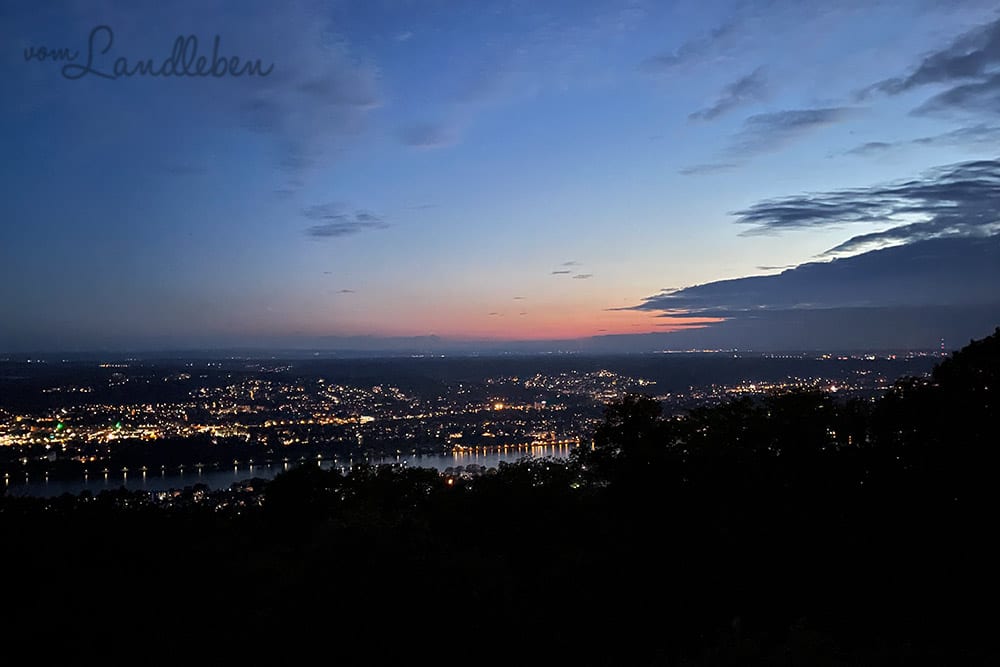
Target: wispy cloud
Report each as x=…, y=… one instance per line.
x=333, y=222
x=316, y=100
x=873, y=148
x=707, y=168
x=979, y=98
x=953, y=201
x=561, y=272
x=319, y=96
x=583, y=276
x=768, y=132
x=969, y=65
x=970, y=56
x=694, y=50
x=976, y=136
x=549, y=50
x=746, y=90
x=771, y=131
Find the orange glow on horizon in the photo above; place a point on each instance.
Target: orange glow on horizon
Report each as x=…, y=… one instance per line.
x=644, y=323
x=554, y=324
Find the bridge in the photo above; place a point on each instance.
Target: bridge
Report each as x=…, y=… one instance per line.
x=467, y=449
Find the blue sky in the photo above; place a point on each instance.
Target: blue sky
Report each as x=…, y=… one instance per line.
x=490, y=171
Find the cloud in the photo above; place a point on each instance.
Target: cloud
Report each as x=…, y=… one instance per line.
x=427, y=135
x=320, y=95
x=771, y=131
x=896, y=329
x=518, y=53
x=764, y=133
x=707, y=168
x=981, y=97
x=971, y=55
x=976, y=136
x=937, y=272
x=315, y=101
x=333, y=222
x=746, y=90
x=583, y=276
x=519, y=298
x=872, y=148
x=694, y=50
x=561, y=272
x=970, y=65
x=345, y=291
x=952, y=201
x=674, y=324
x=571, y=263
x=906, y=296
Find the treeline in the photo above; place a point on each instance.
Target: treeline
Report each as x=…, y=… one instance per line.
x=795, y=530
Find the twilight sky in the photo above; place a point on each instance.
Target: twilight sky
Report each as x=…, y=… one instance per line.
x=620, y=175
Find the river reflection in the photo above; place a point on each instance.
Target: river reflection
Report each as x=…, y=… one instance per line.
x=222, y=478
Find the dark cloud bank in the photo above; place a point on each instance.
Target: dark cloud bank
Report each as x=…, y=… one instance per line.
x=905, y=296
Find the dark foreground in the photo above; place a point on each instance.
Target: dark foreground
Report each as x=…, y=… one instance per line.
x=797, y=530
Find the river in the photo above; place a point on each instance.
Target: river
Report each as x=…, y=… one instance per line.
x=222, y=478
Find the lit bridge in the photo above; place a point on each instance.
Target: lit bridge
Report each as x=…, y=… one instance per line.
x=524, y=446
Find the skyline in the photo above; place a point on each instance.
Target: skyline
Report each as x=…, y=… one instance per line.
x=608, y=176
